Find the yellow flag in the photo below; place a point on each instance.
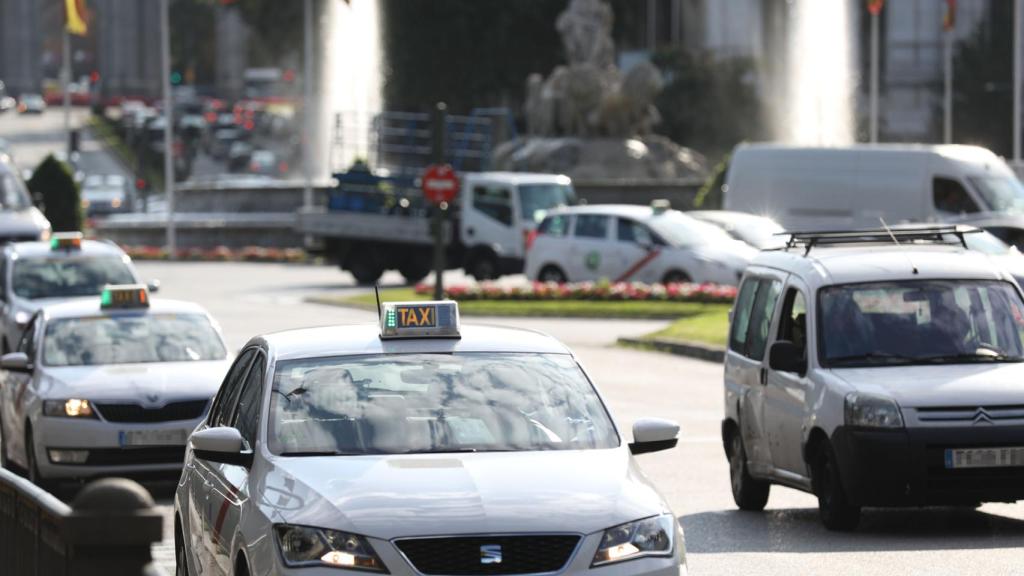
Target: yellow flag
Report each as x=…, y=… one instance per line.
x=76, y=17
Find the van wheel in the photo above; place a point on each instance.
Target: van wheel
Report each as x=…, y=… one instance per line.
x=365, y=266
x=552, y=273
x=836, y=511
x=675, y=277
x=748, y=492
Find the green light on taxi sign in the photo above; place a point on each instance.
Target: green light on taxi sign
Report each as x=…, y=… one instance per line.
x=420, y=320
x=124, y=296
x=105, y=299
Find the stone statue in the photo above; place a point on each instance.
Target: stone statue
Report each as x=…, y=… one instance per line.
x=589, y=97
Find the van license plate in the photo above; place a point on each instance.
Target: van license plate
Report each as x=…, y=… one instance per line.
x=985, y=458
x=152, y=437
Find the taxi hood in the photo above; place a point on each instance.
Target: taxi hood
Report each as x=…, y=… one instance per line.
x=981, y=384
x=386, y=497
x=149, y=383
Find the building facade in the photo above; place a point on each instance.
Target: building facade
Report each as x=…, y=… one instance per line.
x=21, y=46
x=128, y=48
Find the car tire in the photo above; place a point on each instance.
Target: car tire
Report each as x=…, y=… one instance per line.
x=675, y=277
x=365, y=267
x=180, y=561
x=836, y=512
x=31, y=466
x=552, y=273
x=414, y=271
x=748, y=492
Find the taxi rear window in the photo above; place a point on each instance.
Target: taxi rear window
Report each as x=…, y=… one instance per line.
x=35, y=278
x=435, y=403
x=131, y=339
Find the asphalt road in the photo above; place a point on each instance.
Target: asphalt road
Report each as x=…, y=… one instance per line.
x=786, y=539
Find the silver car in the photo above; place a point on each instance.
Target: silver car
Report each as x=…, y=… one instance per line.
x=19, y=219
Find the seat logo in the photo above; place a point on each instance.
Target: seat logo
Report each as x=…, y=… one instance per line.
x=982, y=417
x=490, y=554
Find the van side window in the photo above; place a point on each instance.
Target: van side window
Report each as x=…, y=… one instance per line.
x=591, y=226
x=793, y=325
x=557, y=226
x=950, y=197
x=630, y=231
x=496, y=203
x=741, y=315
x=761, y=319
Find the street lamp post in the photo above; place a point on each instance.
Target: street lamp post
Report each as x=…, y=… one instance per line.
x=1017, y=13
x=165, y=65
x=873, y=99
x=308, y=126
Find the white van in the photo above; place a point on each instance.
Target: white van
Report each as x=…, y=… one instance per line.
x=849, y=187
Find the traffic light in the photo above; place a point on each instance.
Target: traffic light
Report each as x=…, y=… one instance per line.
x=175, y=77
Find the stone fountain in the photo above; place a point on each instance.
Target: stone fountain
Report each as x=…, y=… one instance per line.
x=590, y=120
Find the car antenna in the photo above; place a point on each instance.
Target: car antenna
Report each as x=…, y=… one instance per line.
x=376, y=293
x=897, y=242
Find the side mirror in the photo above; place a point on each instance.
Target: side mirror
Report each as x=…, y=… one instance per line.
x=15, y=362
x=223, y=445
x=653, y=435
x=786, y=356
x=153, y=286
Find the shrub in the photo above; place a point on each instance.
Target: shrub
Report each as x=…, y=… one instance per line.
x=55, y=188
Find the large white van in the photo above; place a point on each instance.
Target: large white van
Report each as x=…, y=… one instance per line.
x=806, y=188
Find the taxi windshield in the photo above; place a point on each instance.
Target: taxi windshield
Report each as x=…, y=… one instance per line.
x=66, y=277
x=130, y=339
x=921, y=322
x=426, y=403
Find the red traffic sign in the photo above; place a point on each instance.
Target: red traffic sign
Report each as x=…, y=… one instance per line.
x=440, y=184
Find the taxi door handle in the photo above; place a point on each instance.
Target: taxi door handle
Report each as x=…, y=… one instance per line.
x=764, y=376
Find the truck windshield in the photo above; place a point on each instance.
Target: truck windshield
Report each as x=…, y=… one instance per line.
x=920, y=322
x=423, y=403
x=131, y=339
x=535, y=199
x=1001, y=193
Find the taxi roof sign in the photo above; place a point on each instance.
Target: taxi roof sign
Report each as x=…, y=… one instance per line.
x=66, y=241
x=124, y=296
x=433, y=319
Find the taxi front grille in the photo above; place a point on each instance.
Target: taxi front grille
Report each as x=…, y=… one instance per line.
x=976, y=414
x=465, y=556
x=134, y=413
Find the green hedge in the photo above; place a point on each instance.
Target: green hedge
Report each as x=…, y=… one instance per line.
x=55, y=189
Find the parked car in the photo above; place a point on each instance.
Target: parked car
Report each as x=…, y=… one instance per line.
x=849, y=187
x=622, y=242
x=31, y=104
x=760, y=232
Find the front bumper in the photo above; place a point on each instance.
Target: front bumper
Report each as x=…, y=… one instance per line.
x=907, y=467
x=107, y=455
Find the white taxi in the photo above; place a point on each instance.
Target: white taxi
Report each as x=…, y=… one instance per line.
x=419, y=447
x=35, y=274
x=624, y=243
x=110, y=385
x=876, y=368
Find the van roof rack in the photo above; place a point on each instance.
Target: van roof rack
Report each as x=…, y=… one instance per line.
x=916, y=234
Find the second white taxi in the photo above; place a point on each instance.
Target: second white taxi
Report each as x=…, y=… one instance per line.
x=108, y=386
x=419, y=448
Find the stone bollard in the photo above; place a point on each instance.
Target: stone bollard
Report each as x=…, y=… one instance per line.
x=111, y=529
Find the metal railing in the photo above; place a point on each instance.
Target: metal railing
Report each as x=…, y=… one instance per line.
x=109, y=529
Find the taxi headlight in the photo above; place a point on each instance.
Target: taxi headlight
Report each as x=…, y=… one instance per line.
x=305, y=546
x=70, y=408
x=648, y=537
x=868, y=411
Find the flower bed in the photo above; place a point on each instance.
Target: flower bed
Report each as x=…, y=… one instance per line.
x=220, y=254
x=622, y=291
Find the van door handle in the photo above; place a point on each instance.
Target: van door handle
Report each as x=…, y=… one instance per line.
x=764, y=376
x=470, y=231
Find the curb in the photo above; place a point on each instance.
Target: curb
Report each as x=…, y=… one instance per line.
x=678, y=347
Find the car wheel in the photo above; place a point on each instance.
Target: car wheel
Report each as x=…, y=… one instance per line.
x=180, y=561
x=366, y=268
x=483, y=267
x=675, y=277
x=836, y=511
x=552, y=274
x=748, y=492
x=31, y=466
x=414, y=271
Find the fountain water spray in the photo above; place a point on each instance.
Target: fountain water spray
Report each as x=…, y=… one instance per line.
x=818, y=109
x=351, y=89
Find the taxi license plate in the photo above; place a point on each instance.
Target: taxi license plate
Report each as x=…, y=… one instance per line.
x=985, y=457
x=152, y=437
x=416, y=316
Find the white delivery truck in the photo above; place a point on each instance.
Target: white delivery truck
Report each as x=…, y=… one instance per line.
x=847, y=187
x=374, y=223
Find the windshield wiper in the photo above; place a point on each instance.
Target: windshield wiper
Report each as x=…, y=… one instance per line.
x=971, y=357
x=300, y=453
x=872, y=356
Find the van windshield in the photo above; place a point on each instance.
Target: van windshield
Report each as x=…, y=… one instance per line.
x=1001, y=193
x=921, y=322
x=536, y=199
